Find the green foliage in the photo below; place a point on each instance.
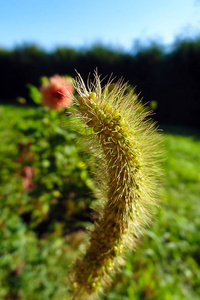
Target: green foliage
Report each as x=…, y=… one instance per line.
x=36, y=248
x=34, y=93
x=36, y=217
x=60, y=175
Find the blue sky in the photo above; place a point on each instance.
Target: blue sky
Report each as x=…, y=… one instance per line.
x=82, y=23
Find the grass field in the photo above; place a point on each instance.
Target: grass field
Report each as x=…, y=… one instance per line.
x=166, y=265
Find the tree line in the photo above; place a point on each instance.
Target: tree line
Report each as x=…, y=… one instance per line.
x=171, y=78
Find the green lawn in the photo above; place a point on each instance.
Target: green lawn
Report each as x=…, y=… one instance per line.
x=166, y=264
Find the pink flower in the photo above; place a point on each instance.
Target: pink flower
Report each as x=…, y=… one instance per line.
x=27, y=182
x=57, y=93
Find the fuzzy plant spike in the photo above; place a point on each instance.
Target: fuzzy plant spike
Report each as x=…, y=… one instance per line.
x=126, y=149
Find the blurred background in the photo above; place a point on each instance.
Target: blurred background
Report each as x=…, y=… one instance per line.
x=45, y=183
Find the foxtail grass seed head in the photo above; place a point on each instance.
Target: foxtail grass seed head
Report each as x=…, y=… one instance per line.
x=126, y=149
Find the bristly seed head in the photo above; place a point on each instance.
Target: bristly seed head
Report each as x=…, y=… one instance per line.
x=126, y=173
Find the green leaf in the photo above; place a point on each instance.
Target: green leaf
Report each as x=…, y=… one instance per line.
x=44, y=80
x=34, y=93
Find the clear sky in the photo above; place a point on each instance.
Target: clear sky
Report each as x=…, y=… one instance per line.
x=82, y=23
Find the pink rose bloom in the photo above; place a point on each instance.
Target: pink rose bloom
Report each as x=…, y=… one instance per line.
x=57, y=93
